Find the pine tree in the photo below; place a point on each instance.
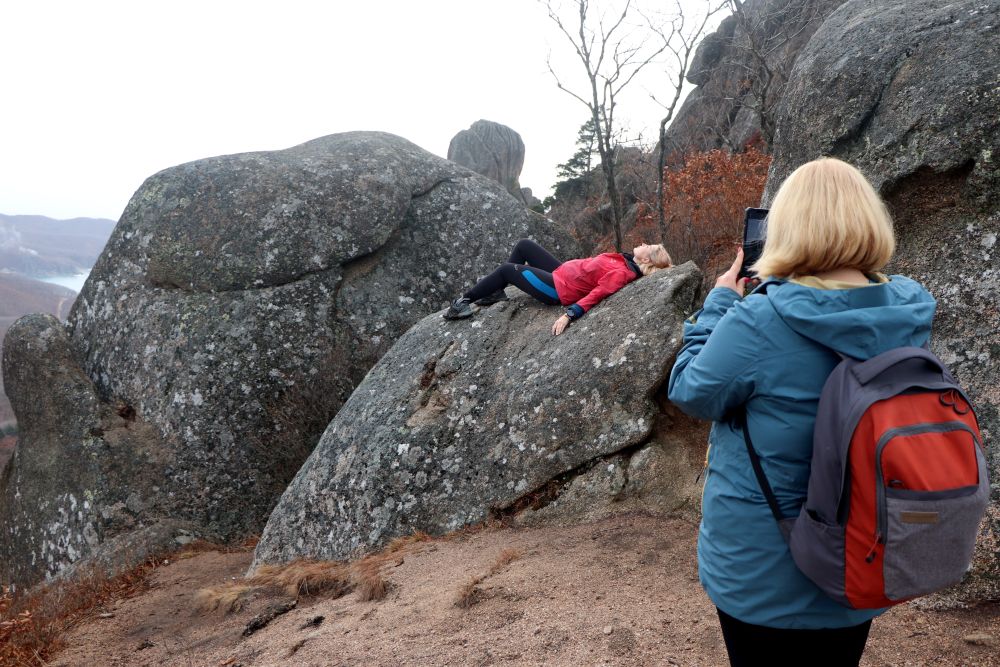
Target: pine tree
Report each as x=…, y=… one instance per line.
x=581, y=162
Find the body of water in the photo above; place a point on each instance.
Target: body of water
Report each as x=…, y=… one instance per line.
x=74, y=282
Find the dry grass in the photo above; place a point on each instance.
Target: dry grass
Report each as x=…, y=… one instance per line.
x=227, y=598
x=312, y=578
x=32, y=625
x=506, y=557
x=371, y=584
x=303, y=577
x=470, y=593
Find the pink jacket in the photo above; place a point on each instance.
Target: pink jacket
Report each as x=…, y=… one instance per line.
x=585, y=282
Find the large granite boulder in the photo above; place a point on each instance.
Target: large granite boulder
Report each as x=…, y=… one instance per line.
x=493, y=416
x=908, y=92
x=495, y=151
x=239, y=301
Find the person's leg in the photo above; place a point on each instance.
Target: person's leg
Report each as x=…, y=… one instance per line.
x=742, y=643
x=536, y=282
x=528, y=252
x=750, y=645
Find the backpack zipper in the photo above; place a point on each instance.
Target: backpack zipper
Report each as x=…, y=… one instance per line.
x=871, y=552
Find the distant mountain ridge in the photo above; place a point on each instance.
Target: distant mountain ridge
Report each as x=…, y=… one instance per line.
x=38, y=246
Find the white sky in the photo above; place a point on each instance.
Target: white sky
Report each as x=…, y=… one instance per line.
x=98, y=95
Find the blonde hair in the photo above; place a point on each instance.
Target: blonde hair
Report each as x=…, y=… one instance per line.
x=826, y=216
x=652, y=267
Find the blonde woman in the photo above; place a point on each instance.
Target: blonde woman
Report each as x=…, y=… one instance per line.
x=578, y=284
x=767, y=355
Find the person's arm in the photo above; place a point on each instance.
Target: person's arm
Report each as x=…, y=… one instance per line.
x=721, y=342
x=712, y=373
x=609, y=283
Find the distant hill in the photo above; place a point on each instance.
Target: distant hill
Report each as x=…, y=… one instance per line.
x=20, y=295
x=34, y=245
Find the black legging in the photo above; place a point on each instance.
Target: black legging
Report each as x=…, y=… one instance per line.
x=753, y=645
x=529, y=269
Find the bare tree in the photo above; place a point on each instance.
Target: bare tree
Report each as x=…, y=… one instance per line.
x=765, y=29
x=680, y=35
x=612, y=50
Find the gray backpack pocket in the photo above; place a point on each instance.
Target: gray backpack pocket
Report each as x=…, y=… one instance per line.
x=930, y=537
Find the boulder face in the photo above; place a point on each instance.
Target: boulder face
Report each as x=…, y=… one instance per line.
x=907, y=92
x=239, y=301
x=81, y=470
x=493, y=416
x=493, y=150
x=894, y=87
x=723, y=111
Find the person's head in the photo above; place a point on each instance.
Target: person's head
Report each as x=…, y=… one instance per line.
x=826, y=216
x=651, y=258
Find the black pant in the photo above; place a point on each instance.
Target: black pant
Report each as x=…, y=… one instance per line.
x=755, y=645
x=529, y=269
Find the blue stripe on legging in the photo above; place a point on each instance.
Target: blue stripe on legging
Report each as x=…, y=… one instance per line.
x=540, y=285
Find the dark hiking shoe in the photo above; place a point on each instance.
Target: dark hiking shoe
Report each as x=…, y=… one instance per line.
x=490, y=299
x=459, y=309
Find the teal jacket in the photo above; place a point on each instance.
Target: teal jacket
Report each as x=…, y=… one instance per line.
x=772, y=354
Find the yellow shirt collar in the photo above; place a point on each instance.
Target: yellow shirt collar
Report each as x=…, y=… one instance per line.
x=821, y=283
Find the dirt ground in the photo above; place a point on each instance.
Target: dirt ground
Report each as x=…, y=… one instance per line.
x=622, y=591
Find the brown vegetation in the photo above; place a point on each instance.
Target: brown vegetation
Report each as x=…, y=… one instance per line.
x=311, y=578
x=705, y=194
x=32, y=625
x=470, y=593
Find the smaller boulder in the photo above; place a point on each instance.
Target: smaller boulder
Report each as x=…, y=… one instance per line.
x=493, y=150
x=82, y=486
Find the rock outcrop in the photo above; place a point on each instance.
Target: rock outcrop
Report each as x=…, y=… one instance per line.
x=908, y=92
x=495, y=151
x=20, y=295
x=239, y=301
x=78, y=482
x=731, y=67
x=493, y=416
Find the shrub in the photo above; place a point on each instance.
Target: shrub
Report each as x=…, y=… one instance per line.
x=704, y=198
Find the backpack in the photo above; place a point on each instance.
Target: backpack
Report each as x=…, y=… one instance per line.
x=897, y=486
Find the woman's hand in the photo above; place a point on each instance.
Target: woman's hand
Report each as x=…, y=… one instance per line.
x=560, y=325
x=730, y=278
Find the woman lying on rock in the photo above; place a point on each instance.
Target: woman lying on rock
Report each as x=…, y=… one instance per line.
x=767, y=356
x=578, y=284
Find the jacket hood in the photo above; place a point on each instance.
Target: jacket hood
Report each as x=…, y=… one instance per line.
x=861, y=322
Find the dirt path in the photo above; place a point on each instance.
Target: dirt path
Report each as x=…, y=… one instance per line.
x=622, y=591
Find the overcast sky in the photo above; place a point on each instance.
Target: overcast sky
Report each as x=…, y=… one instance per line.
x=98, y=95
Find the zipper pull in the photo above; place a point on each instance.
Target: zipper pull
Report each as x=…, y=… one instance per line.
x=871, y=552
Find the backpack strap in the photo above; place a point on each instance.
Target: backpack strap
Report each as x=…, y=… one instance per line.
x=784, y=524
x=866, y=371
